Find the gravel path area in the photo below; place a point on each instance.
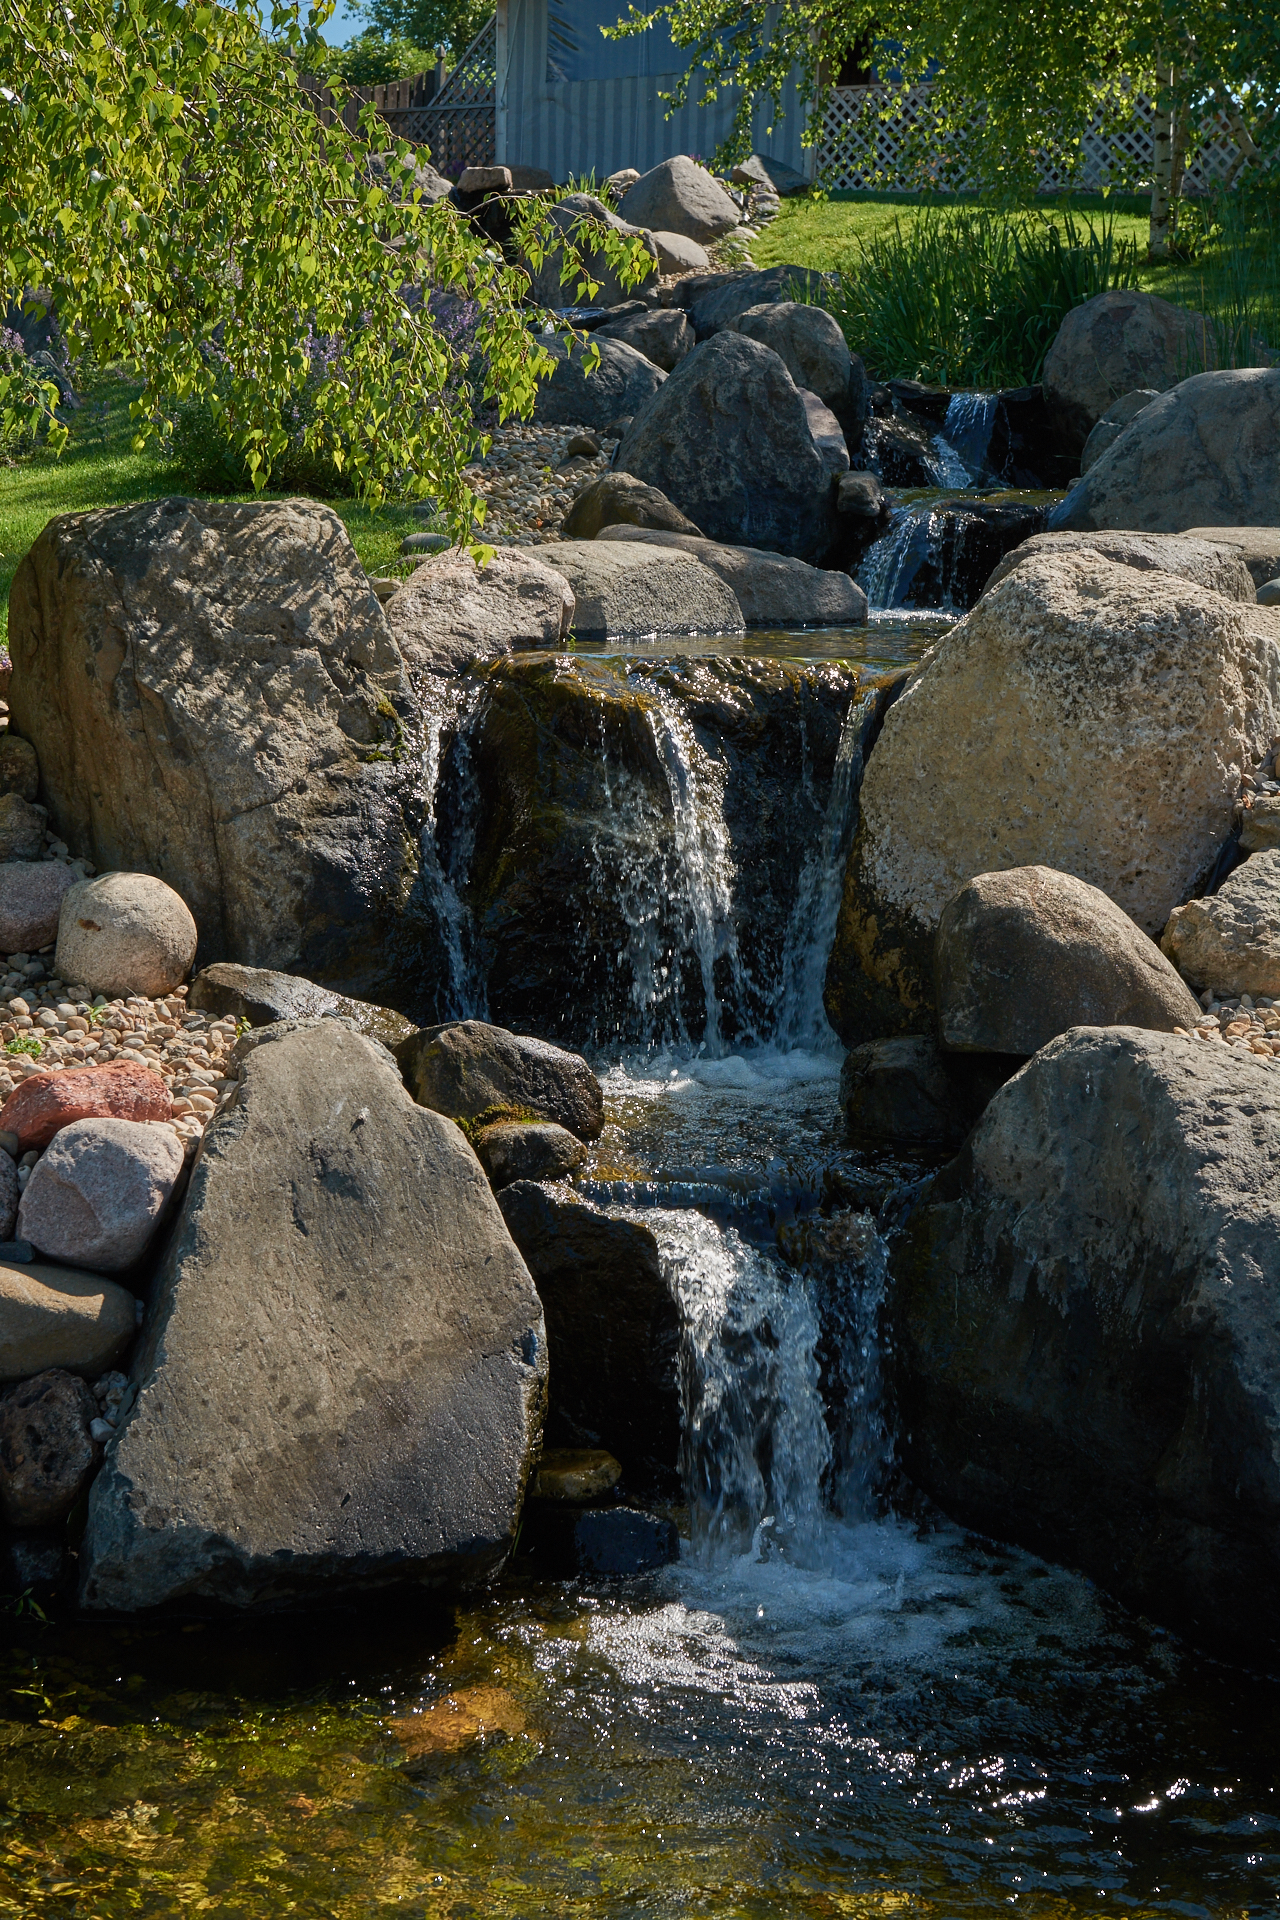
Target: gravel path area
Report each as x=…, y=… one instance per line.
x=1252, y=1026
x=530, y=480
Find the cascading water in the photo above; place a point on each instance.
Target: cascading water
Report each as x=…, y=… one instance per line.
x=967, y=429
x=447, y=707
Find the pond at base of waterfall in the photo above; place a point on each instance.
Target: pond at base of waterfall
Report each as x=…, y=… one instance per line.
x=826, y=1708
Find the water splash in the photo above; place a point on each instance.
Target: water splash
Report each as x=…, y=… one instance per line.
x=946, y=468
x=802, y=1019
x=891, y=563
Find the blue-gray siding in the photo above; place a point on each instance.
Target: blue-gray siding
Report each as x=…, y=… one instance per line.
x=571, y=129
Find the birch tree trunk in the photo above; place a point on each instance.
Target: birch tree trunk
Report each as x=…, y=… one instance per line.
x=1162, y=164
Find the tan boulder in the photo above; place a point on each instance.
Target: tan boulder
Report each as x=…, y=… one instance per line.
x=451, y=611
x=1231, y=940
x=1084, y=716
x=60, y=1317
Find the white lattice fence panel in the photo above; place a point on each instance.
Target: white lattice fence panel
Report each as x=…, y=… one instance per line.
x=861, y=147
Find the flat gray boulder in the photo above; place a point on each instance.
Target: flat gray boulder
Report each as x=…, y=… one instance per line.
x=762, y=170
x=451, y=612
x=678, y=254
x=1205, y=454
x=1230, y=940
x=1083, y=1332
x=621, y=384
x=662, y=335
x=1112, y=345
x=1258, y=547
x=771, y=589
x=342, y=1380
x=261, y=997
x=809, y=343
x=730, y=440
x=469, y=1068
x=219, y=702
x=679, y=196
x=619, y=499
x=1196, y=557
x=625, y=593
x=1022, y=955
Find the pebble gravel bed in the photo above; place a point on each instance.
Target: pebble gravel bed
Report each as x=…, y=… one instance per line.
x=49, y=1025
x=1252, y=1026
x=529, y=480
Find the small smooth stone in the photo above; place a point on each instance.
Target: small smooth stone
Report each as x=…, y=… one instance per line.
x=95, y=1197
x=575, y=1475
x=52, y=1316
x=45, y=1102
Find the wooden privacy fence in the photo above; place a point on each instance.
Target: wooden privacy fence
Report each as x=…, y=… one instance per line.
x=456, y=120
x=861, y=146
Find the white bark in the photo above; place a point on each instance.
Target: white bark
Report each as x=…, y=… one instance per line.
x=1162, y=165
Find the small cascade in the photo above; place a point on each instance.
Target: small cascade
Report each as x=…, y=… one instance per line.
x=970, y=421
x=448, y=711
x=802, y=1019
x=890, y=566
x=938, y=554
x=946, y=468
x=783, y=1429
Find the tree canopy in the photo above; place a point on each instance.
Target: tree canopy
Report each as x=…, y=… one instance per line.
x=169, y=187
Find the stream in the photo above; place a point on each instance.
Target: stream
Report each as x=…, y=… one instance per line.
x=836, y=1704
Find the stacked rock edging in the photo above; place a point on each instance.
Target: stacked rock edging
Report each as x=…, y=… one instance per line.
x=341, y=1384
x=219, y=702
x=1073, y=690
x=1082, y=1328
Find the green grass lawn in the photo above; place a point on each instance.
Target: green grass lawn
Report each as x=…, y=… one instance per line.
x=824, y=233
x=100, y=469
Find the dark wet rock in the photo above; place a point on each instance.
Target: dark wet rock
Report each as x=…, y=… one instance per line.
x=342, y=1379
x=730, y=441
x=621, y=384
x=944, y=553
x=619, y=1541
x=1022, y=955
x=527, y=1150
x=219, y=702
x=584, y=920
x=34, y=1563
x=901, y=451
x=899, y=1091
x=619, y=499
x=1083, y=1332
x=47, y=1454
x=467, y=1068
x=613, y=1328
x=258, y=995
x=1201, y=455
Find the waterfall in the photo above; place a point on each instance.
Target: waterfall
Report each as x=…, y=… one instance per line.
x=946, y=468
x=967, y=429
x=783, y=1429
x=802, y=1019
x=891, y=563
x=447, y=707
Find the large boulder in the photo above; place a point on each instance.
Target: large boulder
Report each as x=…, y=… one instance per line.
x=679, y=196
x=729, y=440
x=451, y=611
x=771, y=589
x=620, y=384
x=762, y=170
x=341, y=1383
x=123, y=933
x=1113, y=423
x=1206, y=454
x=1230, y=941
x=260, y=997
x=613, y=1328
x=1084, y=716
x=1191, y=557
x=1258, y=547
x=1024, y=954
x=96, y=1195
x=619, y=499
x=469, y=1068
x=56, y=1317
x=715, y=300
x=219, y=702
x=573, y=218
x=47, y=1453
x=662, y=334
x=809, y=343
x=1083, y=1329
x=622, y=593
x=1111, y=345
